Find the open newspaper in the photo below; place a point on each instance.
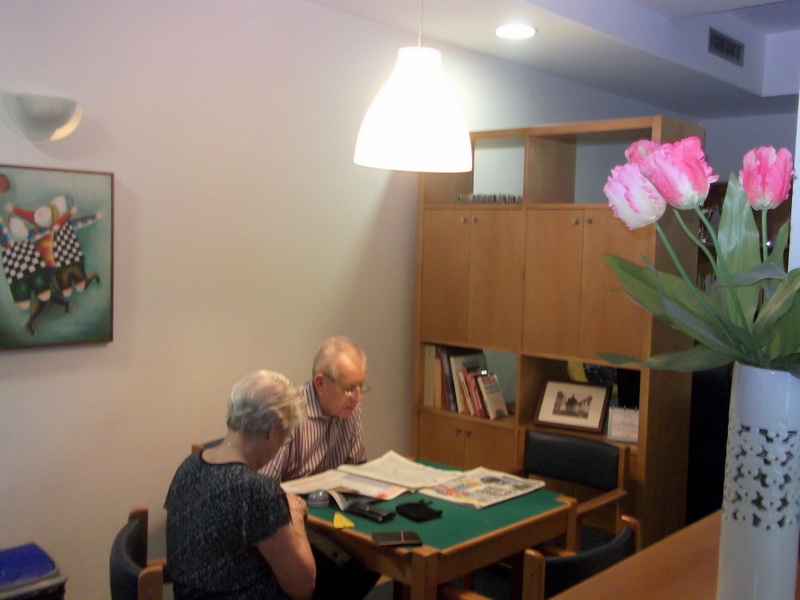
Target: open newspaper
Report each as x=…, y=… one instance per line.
x=482, y=487
x=398, y=470
x=384, y=478
x=344, y=483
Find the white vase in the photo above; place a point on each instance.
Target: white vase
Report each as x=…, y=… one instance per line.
x=760, y=528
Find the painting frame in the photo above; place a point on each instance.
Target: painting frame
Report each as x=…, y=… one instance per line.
x=57, y=255
x=585, y=414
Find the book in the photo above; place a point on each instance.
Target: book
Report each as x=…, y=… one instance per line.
x=492, y=396
x=448, y=390
x=475, y=393
x=429, y=360
x=461, y=359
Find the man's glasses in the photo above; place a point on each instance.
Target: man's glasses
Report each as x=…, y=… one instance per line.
x=350, y=391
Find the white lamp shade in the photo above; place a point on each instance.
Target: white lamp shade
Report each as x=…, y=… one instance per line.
x=42, y=117
x=415, y=122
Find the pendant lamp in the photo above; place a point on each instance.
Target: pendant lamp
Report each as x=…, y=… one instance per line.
x=415, y=122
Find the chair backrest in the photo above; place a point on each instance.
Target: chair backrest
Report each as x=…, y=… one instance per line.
x=204, y=445
x=546, y=576
x=572, y=458
x=562, y=572
x=131, y=577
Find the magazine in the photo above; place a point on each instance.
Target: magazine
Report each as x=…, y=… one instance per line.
x=482, y=487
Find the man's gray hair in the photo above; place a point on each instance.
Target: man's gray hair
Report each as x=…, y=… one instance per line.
x=327, y=357
x=263, y=399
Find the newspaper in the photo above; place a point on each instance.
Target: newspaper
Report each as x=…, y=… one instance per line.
x=398, y=470
x=482, y=487
x=345, y=483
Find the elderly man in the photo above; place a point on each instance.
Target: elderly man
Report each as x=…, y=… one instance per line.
x=332, y=435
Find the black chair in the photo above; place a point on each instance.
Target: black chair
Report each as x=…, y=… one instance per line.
x=545, y=576
x=132, y=575
x=589, y=470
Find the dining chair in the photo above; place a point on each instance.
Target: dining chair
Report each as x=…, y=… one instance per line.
x=544, y=575
x=200, y=447
x=591, y=471
x=132, y=575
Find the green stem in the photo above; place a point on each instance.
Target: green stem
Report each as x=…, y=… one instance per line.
x=764, y=249
x=721, y=269
x=685, y=276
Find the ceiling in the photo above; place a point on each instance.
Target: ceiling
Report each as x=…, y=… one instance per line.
x=633, y=48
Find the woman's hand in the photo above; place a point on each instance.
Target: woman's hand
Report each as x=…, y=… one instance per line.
x=298, y=508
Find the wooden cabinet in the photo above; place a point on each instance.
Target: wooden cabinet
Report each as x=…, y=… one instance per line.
x=466, y=442
x=529, y=280
x=574, y=305
x=472, y=276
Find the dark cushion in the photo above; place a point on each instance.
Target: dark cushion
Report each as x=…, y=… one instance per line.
x=572, y=458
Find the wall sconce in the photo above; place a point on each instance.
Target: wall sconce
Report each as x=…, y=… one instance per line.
x=42, y=117
x=415, y=122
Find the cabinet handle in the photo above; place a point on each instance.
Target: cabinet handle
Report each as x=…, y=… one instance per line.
x=463, y=219
x=589, y=220
x=474, y=219
x=458, y=430
x=575, y=221
x=469, y=433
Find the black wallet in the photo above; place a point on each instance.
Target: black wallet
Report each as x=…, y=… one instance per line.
x=418, y=511
x=370, y=511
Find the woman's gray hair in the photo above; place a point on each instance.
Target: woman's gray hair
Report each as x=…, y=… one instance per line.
x=327, y=357
x=263, y=399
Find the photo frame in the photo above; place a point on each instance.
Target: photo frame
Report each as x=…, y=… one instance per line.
x=574, y=406
x=56, y=249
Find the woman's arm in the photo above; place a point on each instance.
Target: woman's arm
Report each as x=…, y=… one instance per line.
x=289, y=553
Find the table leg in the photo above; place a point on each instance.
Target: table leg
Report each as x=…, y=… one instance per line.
x=424, y=566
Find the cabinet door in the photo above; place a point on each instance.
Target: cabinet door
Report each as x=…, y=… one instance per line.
x=445, y=274
x=610, y=321
x=490, y=446
x=554, y=253
x=441, y=439
x=497, y=255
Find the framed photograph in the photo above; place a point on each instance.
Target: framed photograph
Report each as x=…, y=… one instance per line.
x=574, y=405
x=56, y=245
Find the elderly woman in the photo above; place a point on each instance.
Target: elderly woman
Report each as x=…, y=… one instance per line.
x=233, y=533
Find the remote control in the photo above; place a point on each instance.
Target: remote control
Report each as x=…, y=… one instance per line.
x=369, y=511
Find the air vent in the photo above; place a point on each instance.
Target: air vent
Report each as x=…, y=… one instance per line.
x=725, y=47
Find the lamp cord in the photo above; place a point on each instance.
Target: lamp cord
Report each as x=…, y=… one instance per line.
x=419, y=39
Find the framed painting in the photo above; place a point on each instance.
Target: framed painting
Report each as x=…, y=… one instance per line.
x=56, y=244
x=574, y=406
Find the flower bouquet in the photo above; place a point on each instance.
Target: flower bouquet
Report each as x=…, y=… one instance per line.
x=751, y=315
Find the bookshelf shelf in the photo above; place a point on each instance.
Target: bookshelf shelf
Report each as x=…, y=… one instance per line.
x=528, y=280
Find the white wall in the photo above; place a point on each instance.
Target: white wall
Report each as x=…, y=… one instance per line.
x=728, y=140
x=244, y=235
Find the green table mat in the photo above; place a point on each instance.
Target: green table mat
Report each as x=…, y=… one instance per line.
x=457, y=524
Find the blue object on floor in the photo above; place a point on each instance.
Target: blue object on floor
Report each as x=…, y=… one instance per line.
x=27, y=572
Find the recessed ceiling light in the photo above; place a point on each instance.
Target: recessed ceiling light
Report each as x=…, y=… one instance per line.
x=515, y=31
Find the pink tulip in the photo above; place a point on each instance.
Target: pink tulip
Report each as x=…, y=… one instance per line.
x=632, y=197
x=680, y=173
x=767, y=176
x=641, y=149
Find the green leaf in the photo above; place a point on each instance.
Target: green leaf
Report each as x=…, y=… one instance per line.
x=697, y=358
x=738, y=250
x=680, y=305
x=778, y=323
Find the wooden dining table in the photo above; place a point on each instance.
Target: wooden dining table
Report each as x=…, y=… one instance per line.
x=461, y=541
x=682, y=566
